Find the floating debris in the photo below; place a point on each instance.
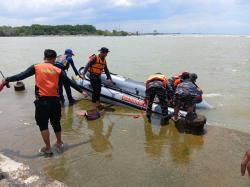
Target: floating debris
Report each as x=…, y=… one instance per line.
x=27, y=124
x=81, y=112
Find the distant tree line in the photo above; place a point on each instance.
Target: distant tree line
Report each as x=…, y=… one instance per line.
x=37, y=30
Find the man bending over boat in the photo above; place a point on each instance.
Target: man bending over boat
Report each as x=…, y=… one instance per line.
x=64, y=62
x=47, y=103
x=185, y=96
x=96, y=65
x=157, y=85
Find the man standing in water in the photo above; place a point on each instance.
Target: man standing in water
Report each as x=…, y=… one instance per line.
x=64, y=62
x=47, y=103
x=96, y=65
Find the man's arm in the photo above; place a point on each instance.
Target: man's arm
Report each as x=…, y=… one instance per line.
x=66, y=80
x=169, y=89
x=23, y=75
x=90, y=63
x=106, y=70
x=71, y=62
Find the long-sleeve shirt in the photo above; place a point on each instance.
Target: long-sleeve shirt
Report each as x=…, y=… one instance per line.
x=62, y=59
x=71, y=62
x=157, y=83
x=92, y=62
x=186, y=87
x=31, y=71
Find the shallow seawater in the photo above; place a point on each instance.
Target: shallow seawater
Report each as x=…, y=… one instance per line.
x=221, y=62
x=122, y=148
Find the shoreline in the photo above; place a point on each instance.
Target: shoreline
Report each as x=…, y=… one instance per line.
x=14, y=173
x=140, y=35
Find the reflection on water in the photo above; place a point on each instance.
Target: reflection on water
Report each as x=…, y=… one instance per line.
x=64, y=172
x=155, y=141
x=180, y=145
x=121, y=150
x=99, y=140
x=127, y=151
x=183, y=145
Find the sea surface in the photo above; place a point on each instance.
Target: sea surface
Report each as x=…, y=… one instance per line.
x=121, y=148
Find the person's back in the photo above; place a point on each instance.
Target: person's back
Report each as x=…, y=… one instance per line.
x=47, y=104
x=185, y=95
x=47, y=80
x=61, y=62
x=157, y=79
x=186, y=88
x=177, y=79
x=156, y=85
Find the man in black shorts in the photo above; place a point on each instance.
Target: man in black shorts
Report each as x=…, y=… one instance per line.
x=47, y=103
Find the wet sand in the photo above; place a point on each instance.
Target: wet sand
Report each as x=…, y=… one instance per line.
x=13, y=173
x=120, y=149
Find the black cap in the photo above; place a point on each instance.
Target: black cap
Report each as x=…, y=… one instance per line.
x=104, y=50
x=185, y=75
x=193, y=77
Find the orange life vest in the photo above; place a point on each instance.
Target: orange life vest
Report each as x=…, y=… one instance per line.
x=99, y=65
x=47, y=79
x=158, y=77
x=176, y=82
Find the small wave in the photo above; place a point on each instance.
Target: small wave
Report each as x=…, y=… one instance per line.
x=235, y=70
x=212, y=95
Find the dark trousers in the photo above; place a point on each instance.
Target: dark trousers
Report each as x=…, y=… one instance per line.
x=67, y=89
x=96, y=84
x=184, y=101
x=48, y=108
x=160, y=92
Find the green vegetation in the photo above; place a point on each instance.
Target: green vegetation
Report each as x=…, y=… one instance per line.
x=37, y=30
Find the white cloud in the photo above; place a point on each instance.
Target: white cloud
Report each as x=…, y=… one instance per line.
x=186, y=23
x=27, y=12
x=122, y=3
x=132, y=15
x=129, y=3
x=39, y=5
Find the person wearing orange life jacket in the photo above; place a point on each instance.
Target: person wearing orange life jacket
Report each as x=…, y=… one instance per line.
x=47, y=103
x=185, y=95
x=96, y=65
x=177, y=79
x=157, y=85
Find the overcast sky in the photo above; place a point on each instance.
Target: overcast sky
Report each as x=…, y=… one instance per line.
x=185, y=16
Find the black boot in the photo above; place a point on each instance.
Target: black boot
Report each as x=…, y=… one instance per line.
x=190, y=117
x=165, y=120
x=148, y=114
